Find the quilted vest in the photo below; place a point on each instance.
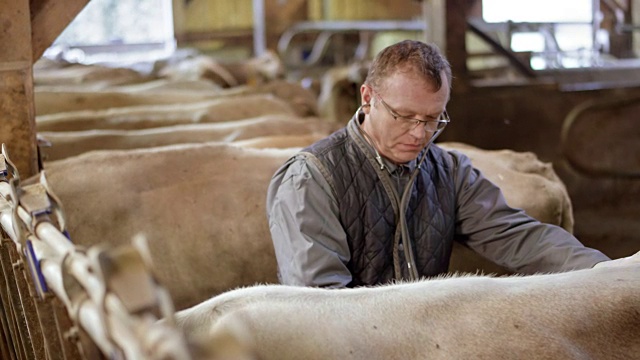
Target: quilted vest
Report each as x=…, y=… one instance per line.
x=367, y=214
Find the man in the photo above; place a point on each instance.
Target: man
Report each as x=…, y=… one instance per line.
x=377, y=201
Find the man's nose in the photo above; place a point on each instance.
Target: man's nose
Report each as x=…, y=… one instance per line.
x=419, y=131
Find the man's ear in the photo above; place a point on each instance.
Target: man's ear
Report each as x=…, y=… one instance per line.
x=365, y=97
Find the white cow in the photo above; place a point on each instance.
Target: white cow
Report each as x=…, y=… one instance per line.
x=586, y=314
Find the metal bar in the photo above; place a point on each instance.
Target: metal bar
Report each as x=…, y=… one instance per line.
x=66, y=332
x=95, y=296
x=33, y=334
x=259, y=28
x=19, y=332
x=8, y=330
x=6, y=351
x=47, y=321
x=355, y=26
x=329, y=28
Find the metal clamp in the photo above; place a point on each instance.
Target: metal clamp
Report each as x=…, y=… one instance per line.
x=32, y=205
x=127, y=276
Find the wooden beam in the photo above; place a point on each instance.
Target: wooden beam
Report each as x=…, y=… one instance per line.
x=17, y=116
x=456, y=30
x=48, y=19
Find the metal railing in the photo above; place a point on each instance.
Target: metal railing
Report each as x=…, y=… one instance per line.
x=60, y=301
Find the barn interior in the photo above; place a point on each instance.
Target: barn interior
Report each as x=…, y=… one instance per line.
x=557, y=79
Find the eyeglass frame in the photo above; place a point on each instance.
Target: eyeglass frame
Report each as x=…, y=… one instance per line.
x=444, y=117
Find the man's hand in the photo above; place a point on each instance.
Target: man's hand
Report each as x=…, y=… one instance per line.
x=625, y=261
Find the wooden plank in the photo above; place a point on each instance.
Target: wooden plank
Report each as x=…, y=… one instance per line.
x=456, y=44
x=48, y=19
x=17, y=124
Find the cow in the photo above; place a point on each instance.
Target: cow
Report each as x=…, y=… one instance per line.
x=279, y=141
x=503, y=165
x=52, y=100
x=63, y=144
x=201, y=206
x=144, y=117
x=340, y=91
x=255, y=70
x=583, y=314
x=73, y=74
x=520, y=175
x=75, y=91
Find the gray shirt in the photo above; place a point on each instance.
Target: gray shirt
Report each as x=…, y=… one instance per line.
x=311, y=245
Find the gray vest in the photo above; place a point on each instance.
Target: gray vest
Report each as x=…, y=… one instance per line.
x=367, y=214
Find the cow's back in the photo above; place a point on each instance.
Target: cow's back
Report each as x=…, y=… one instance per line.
x=590, y=313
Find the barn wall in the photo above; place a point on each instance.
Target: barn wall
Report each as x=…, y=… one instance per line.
x=208, y=24
x=363, y=9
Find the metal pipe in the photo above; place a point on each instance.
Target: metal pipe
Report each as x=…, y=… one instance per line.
x=102, y=315
x=259, y=28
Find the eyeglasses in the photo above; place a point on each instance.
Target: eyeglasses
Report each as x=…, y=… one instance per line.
x=408, y=123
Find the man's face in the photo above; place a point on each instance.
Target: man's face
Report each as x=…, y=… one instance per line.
x=405, y=94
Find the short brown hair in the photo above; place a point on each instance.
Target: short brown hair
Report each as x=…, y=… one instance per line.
x=424, y=58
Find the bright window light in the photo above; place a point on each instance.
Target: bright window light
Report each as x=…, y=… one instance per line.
x=530, y=41
x=127, y=25
x=574, y=37
x=537, y=11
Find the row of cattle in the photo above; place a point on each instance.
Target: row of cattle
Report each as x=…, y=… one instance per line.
x=188, y=167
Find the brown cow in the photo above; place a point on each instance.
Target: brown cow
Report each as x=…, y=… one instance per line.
x=159, y=86
x=521, y=176
x=52, y=100
x=585, y=314
x=202, y=207
x=71, y=143
x=256, y=70
x=279, y=141
x=97, y=75
x=144, y=117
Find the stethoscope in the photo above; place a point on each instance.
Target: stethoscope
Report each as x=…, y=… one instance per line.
x=403, y=203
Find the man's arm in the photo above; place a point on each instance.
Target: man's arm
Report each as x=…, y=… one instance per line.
x=508, y=236
x=309, y=241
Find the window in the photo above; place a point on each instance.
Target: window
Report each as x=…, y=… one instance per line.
x=559, y=34
x=117, y=29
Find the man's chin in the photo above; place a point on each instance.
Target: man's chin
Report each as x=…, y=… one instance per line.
x=405, y=157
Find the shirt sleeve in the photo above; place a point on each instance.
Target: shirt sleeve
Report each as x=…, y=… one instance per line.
x=508, y=236
x=309, y=241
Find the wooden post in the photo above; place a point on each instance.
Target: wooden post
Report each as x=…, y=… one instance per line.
x=456, y=25
x=17, y=114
